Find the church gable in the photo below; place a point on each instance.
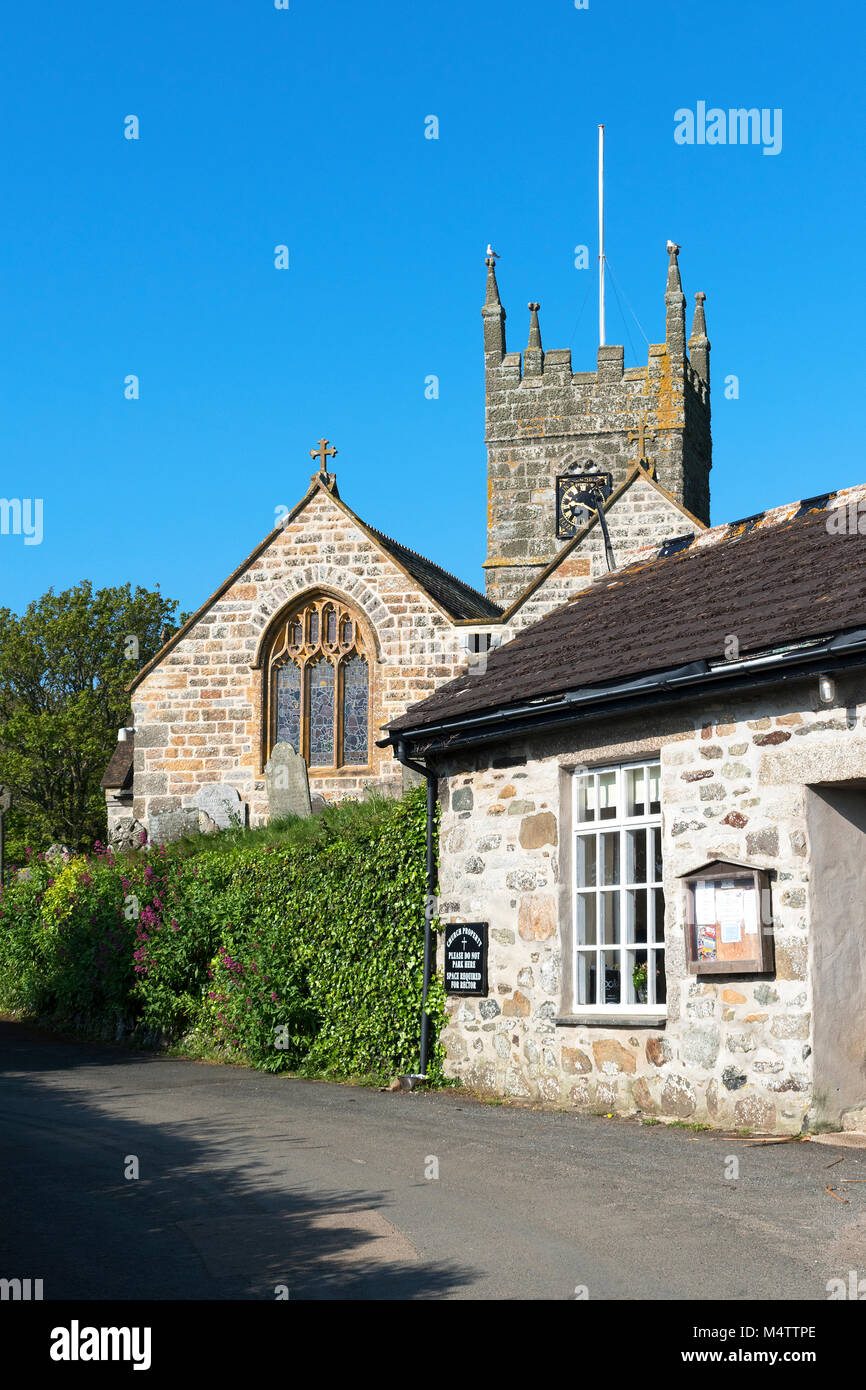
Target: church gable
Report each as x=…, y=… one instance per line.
x=209, y=707
x=639, y=515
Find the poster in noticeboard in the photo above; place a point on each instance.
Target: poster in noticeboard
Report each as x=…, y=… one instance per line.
x=725, y=903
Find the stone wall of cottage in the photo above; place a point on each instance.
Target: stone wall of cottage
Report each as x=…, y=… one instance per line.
x=734, y=1051
x=198, y=713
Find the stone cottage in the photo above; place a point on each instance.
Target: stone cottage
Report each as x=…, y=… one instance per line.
x=704, y=705
x=330, y=629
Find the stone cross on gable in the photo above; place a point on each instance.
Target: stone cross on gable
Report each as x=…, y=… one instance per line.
x=640, y=435
x=322, y=453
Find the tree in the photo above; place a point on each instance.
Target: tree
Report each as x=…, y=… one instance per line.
x=65, y=664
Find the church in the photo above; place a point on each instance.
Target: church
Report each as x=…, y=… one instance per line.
x=330, y=629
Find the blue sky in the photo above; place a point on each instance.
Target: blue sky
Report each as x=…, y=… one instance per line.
x=306, y=127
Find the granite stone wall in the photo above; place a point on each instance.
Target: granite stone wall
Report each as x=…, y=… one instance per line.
x=734, y=1052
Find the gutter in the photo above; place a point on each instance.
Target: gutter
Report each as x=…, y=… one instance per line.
x=843, y=651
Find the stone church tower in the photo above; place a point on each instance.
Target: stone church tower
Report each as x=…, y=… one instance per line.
x=542, y=418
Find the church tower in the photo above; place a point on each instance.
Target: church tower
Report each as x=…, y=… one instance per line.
x=543, y=419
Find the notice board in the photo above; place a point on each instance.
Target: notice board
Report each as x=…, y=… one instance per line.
x=466, y=958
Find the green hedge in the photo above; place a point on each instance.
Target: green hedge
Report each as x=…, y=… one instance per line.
x=299, y=953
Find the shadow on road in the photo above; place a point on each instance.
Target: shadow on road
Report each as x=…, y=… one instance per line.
x=210, y=1215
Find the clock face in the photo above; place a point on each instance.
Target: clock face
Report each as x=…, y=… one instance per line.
x=571, y=512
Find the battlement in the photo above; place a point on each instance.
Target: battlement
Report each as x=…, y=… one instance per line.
x=542, y=417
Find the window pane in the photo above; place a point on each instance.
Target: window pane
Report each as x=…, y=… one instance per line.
x=288, y=720
x=634, y=792
x=296, y=633
x=586, y=798
x=586, y=919
x=347, y=630
x=607, y=796
x=638, y=977
x=636, y=911
x=314, y=628
x=586, y=861
x=659, y=904
x=586, y=973
x=635, y=856
x=330, y=626
x=654, y=778
x=661, y=987
x=321, y=678
x=610, y=857
x=610, y=918
x=656, y=834
x=355, y=703
x=612, y=989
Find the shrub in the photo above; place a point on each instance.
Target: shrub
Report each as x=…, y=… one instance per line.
x=294, y=947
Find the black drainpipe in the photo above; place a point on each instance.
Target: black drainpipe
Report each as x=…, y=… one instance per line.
x=429, y=914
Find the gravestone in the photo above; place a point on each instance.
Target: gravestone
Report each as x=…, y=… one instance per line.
x=220, y=807
x=287, y=783
x=168, y=826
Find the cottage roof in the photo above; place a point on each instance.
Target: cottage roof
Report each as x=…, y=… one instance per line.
x=777, y=579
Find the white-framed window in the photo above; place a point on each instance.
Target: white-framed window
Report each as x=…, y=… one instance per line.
x=619, y=909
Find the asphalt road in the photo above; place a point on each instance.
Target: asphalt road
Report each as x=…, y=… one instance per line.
x=248, y=1182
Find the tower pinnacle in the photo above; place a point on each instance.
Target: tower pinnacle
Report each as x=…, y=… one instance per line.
x=699, y=343
x=675, y=307
x=533, y=357
x=493, y=314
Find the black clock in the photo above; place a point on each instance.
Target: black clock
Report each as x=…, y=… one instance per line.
x=579, y=493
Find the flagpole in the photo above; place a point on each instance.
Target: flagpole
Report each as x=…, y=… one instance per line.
x=601, y=236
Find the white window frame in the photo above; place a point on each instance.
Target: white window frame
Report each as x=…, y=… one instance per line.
x=620, y=824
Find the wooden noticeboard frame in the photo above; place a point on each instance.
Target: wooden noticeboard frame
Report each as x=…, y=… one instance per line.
x=729, y=921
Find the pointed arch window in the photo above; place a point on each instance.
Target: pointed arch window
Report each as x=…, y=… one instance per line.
x=318, y=685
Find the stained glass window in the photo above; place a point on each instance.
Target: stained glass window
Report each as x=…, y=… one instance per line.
x=355, y=710
x=289, y=705
x=319, y=682
x=320, y=675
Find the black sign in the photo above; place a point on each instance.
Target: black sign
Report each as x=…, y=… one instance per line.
x=466, y=958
